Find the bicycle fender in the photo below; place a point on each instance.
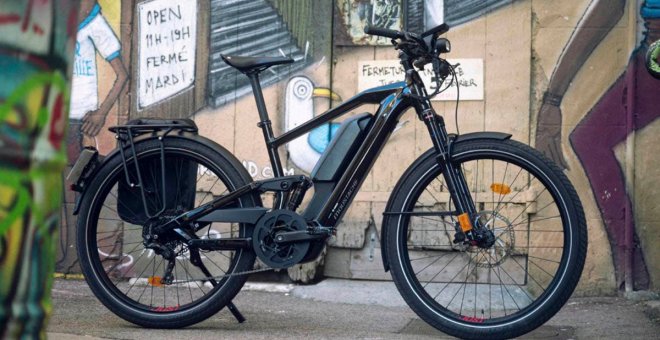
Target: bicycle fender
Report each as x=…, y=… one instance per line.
x=479, y=135
x=108, y=159
x=422, y=158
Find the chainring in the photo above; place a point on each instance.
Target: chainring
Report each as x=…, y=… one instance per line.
x=271, y=253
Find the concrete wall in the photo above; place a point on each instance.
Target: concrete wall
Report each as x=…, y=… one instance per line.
x=526, y=48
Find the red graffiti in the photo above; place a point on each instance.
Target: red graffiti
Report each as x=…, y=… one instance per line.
x=26, y=18
x=72, y=23
x=56, y=134
x=7, y=19
x=37, y=29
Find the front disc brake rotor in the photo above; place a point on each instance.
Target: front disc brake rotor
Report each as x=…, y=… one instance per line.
x=505, y=240
x=271, y=253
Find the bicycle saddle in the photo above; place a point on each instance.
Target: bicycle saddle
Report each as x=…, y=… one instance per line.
x=254, y=64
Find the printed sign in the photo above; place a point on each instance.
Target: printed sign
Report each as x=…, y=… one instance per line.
x=470, y=73
x=167, y=36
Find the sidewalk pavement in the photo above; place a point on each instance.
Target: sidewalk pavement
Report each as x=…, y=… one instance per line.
x=337, y=309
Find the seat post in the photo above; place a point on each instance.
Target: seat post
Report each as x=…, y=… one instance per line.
x=265, y=124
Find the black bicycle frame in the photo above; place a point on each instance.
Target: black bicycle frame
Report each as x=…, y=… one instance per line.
x=394, y=100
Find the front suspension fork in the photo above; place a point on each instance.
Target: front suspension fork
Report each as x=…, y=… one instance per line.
x=454, y=177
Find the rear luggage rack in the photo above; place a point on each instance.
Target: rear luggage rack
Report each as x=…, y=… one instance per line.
x=138, y=127
x=126, y=135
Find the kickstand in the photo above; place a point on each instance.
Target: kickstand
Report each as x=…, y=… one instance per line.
x=235, y=312
x=196, y=260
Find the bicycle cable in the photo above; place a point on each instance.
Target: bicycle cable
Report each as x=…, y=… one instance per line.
x=458, y=95
x=454, y=80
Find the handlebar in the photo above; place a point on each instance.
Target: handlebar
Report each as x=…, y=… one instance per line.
x=384, y=32
x=413, y=44
x=439, y=30
x=419, y=51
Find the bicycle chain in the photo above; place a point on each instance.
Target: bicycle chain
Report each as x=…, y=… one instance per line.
x=220, y=277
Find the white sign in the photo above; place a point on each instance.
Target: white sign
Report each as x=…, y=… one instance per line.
x=470, y=74
x=167, y=36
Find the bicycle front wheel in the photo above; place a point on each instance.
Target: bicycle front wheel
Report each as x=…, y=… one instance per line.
x=138, y=282
x=504, y=290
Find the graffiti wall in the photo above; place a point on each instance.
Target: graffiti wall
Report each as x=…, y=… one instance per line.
x=605, y=142
x=530, y=68
x=35, y=50
x=99, y=78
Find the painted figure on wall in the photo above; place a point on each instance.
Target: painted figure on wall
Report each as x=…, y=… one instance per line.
x=299, y=108
x=628, y=105
x=88, y=111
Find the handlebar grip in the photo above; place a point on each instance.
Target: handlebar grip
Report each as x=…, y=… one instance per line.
x=383, y=32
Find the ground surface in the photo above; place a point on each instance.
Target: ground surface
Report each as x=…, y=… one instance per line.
x=336, y=309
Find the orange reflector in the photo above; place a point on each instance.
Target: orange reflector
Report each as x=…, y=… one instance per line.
x=464, y=221
x=500, y=188
x=154, y=281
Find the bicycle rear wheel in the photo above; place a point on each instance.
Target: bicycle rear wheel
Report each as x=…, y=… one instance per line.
x=127, y=276
x=504, y=290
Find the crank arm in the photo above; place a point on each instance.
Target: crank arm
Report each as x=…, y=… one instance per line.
x=300, y=236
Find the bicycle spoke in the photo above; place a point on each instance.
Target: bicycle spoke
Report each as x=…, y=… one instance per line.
x=503, y=279
x=451, y=280
x=540, y=258
x=135, y=271
x=428, y=265
x=124, y=205
x=467, y=275
x=530, y=276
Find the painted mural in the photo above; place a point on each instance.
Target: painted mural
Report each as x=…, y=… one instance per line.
x=355, y=15
x=628, y=105
x=256, y=28
x=35, y=49
x=89, y=110
x=529, y=56
x=99, y=77
x=299, y=102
